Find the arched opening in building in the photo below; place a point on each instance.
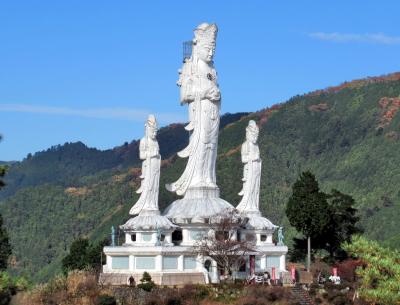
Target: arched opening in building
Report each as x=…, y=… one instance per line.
x=177, y=237
x=207, y=265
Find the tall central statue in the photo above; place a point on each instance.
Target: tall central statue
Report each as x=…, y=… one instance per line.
x=199, y=89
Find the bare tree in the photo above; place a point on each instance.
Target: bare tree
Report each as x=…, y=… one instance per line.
x=221, y=243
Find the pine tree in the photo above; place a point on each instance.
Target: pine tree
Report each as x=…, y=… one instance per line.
x=380, y=275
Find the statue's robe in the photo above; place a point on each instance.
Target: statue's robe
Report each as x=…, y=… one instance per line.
x=149, y=153
x=197, y=79
x=251, y=178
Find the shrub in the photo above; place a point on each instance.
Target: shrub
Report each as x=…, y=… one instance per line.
x=81, y=282
x=347, y=269
x=259, y=295
x=153, y=301
x=341, y=300
x=195, y=293
x=105, y=299
x=173, y=300
x=146, y=283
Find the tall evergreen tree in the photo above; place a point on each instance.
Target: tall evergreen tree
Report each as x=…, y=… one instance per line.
x=5, y=247
x=342, y=223
x=2, y=171
x=341, y=226
x=77, y=256
x=307, y=209
x=83, y=255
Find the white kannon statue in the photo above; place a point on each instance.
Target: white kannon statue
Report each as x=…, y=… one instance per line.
x=149, y=153
x=251, y=171
x=199, y=89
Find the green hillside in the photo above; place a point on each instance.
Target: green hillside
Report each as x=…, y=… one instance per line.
x=347, y=135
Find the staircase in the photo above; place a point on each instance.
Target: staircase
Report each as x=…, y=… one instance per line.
x=302, y=295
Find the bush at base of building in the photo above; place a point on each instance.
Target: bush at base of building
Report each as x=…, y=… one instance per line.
x=105, y=299
x=81, y=288
x=146, y=282
x=266, y=295
x=77, y=288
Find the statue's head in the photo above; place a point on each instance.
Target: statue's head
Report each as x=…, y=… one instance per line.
x=252, y=132
x=204, y=41
x=151, y=127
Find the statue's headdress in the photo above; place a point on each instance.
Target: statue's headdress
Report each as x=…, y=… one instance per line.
x=151, y=122
x=252, y=128
x=205, y=34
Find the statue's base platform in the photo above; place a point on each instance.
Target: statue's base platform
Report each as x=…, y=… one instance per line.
x=198, y=206
x=179, y=265
x=178, y=279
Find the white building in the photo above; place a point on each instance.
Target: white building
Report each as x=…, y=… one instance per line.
x=163, y=244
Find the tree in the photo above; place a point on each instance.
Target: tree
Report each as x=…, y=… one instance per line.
x=77, y=257
x=307, y=209
x=5, y=246
x=342, y=224
x=2, y=173
x=146, y=282
x=83, y=255
x=380, y=275
x=221, y=243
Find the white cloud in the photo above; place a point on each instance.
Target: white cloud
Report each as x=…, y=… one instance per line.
x=378, y=38
x=118, y=113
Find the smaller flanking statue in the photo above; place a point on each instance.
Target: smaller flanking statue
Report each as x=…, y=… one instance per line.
x=251, y=171
x=149, y=153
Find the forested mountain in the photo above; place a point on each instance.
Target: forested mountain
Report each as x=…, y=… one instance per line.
x=65, y=164
x=348, y=135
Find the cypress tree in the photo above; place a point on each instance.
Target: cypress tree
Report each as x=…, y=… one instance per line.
x=307, y=209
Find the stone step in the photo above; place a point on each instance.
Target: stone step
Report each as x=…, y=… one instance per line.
x=302, y=295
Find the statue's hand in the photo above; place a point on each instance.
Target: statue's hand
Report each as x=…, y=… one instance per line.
x=213, y=94
x=187, y=93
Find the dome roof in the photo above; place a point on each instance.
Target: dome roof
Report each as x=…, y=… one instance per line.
x=197, y=209
x=148, y=222
x=257, y=222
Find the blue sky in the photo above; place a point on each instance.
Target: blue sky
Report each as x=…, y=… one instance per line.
x=92, y=70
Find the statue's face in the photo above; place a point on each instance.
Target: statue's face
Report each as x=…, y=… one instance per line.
x=205, y=52
x=153, y=133
x=252, y=137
